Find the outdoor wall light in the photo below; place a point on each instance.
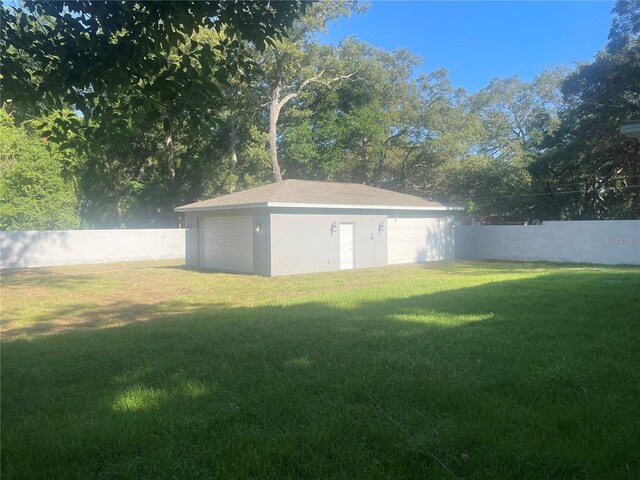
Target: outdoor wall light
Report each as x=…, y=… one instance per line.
x=381, y=227
x=187, y=226
x=258, y=228
x=334, y=227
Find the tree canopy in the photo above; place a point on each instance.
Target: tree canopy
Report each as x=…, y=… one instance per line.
x=36, y=190
x=80, y=52
x=588, y=157
x=143, y=106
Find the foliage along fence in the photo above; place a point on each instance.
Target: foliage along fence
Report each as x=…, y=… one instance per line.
x=64, y=247
x=600, y=241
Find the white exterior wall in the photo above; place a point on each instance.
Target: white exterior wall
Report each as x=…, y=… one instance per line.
x=303, y=243
x=602, y=241
x=65, y=247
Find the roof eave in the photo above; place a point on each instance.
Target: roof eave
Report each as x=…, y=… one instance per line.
x=362, y=207
x=186, y=208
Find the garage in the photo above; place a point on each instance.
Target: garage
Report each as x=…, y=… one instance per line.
x=227, y=243
x=417, y=239
x=302, y=226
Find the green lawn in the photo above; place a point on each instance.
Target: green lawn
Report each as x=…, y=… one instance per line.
x=451, y=370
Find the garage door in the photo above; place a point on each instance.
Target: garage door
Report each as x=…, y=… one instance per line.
x=226, y=243
x=413, y=240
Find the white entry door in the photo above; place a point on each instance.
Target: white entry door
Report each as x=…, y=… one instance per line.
x=226, y=243
x=346, y=246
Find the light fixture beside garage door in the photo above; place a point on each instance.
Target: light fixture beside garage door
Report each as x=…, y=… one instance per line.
x=258, y=227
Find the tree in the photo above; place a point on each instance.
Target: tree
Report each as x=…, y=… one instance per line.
x=181, y=101
x=478, y=148
x=379, y=113
x=590, y=170
x=90, y=51
x=353, y=129
x=445, y=133
x=293, y=64
x=516, y=114
x=35, y=194
x=486, y=188
x=149, y=84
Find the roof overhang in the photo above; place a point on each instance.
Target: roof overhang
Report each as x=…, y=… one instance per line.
x=318, y=206
x=631, y=129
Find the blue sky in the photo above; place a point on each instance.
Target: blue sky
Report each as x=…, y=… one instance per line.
x=477, y=41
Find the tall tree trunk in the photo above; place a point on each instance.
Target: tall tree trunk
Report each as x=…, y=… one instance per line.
x=119, y=209
x=380, y=169
x=168, y=140
x=275, y=105
x=234, y=140
x=365, y=157
x=233, y=132
x=274, y=113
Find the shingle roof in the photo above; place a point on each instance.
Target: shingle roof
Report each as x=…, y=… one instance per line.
x=313, y=194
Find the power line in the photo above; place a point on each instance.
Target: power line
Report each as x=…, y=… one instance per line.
x=608, y=181
x=562, y=192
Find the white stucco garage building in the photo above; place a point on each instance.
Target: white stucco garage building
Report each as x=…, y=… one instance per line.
x=300, y=226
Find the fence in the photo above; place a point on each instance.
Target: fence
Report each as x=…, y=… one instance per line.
x=603, y=241
x=64, y=247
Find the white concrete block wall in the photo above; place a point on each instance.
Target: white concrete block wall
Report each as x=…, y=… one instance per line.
x=65, y=247
x=601, y=241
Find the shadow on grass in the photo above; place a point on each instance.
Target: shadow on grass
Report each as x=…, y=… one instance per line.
x=521, y=379
x=174, y=267
x=41, y=277
x=493, y=267
x=89, y=316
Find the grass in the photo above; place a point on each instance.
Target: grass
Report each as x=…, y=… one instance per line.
x=450, y=370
